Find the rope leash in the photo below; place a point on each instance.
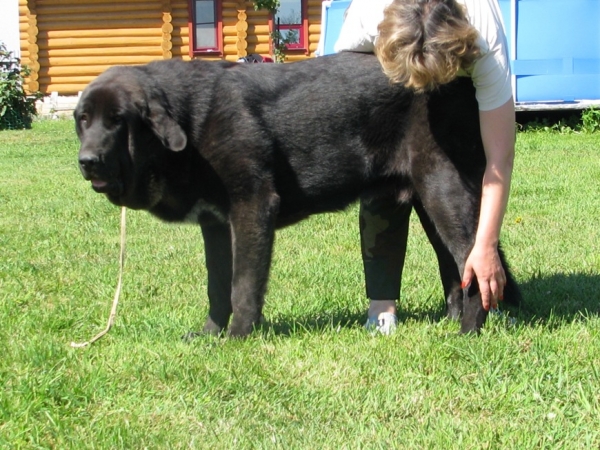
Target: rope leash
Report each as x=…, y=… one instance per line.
x=113, y=311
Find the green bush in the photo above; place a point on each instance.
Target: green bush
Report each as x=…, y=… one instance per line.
x=590, y=120
x=564, y=122
x=16, y=107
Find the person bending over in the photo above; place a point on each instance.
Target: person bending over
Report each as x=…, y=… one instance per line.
x=423, y=44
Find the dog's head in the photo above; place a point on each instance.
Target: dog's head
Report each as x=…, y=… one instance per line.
x=126, y=132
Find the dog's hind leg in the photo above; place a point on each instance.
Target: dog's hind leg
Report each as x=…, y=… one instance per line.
x=453, y=209
x=449, y=272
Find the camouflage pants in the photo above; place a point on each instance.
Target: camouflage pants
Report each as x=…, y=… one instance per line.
x=383, y=235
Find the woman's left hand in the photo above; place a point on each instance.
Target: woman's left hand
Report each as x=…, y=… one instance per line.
x=498, y=136
x=484, y=263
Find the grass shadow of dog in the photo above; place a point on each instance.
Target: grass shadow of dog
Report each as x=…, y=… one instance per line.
x=558, y=298
x=547, y=300
x=345, y=318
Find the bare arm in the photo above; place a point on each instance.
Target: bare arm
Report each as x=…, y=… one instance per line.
x=498, y=135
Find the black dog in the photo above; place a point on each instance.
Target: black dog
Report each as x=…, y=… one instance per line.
x=243, y=149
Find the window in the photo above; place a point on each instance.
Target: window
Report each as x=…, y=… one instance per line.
x=290, y=21
x=206, y=26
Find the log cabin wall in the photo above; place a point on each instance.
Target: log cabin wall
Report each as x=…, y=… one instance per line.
x=314, y=25
x=67, y=44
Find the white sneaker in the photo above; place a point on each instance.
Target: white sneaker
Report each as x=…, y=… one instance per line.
x=385, y=324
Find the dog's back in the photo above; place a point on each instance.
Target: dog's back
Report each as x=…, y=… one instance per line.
x=328, y=129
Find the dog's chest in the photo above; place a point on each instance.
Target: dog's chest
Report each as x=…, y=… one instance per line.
x=202, y=208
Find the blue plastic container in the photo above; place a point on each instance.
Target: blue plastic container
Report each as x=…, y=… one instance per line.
x=331, y=24
x=557, y=51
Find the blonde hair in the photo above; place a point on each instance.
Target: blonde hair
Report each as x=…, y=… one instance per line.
x=424, y=43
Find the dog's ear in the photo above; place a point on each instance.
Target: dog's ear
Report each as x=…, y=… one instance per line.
x=165, y=127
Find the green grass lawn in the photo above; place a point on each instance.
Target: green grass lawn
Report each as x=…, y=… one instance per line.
x=312, y=378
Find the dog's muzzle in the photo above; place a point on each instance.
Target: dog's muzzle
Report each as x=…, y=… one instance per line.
x=91, y=168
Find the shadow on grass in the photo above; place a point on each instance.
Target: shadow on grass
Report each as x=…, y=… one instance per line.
x=547, y=301
x=345, y=318
x=559, y=298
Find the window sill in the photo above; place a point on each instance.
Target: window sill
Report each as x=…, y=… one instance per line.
x=207, y=53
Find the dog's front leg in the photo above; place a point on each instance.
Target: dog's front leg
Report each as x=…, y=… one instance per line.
x=217, y=248
x=253, y=234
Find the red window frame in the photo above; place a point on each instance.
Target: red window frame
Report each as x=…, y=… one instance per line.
x=218, y=30
x=302, y=28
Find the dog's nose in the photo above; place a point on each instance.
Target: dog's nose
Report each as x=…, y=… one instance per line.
x=88, y=161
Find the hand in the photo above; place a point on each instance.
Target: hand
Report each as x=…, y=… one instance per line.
x=484, y=263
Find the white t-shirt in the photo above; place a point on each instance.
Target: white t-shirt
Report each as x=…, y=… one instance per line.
x=490, y=73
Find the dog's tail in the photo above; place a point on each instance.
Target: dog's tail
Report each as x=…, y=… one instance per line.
x=512, y=293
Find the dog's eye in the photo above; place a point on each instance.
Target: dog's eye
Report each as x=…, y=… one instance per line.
x=116, y=119
x=83, y=120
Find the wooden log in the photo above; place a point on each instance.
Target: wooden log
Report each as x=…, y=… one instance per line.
x=84, y=3
x=82, y=79
x=227, y=5
x=262, y=49
x=101, y=52
x=98, y=32
x=88, y=8
x=181, y=27
x=232, y=49
x=180, y=13
x=259, y=28
x=313, y=39
x=241, y=26
x=229, y=13
x=63, y=65
x=230, y=30
x=314, y=29
x=250, y=39
x=176, y=40
x=32, y=46
x=294, y=57
x=56, y=71
x=181, y=22
x=90, y=23
x=258, y=13
x=241, y=46
x=181, y=52
x=98, y=42
x=106, y=18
